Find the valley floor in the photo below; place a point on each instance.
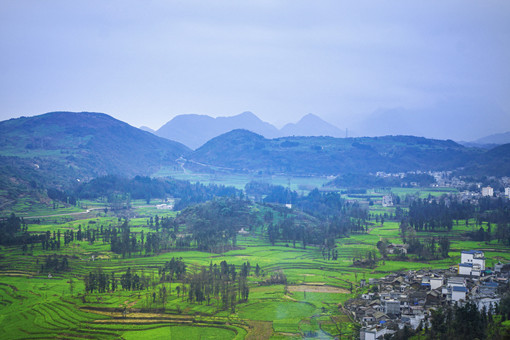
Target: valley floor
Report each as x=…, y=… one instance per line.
x=39, y=304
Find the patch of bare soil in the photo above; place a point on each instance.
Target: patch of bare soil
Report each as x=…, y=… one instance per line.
x=259, y=330
x=317, y=288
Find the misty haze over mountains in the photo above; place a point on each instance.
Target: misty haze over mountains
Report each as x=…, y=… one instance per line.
x=443, y=122
x=459, y=120
x=195, y=130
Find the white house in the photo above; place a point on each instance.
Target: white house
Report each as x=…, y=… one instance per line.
x=498, y=266
x=374, y=333
x=472, y=262
x=465, y=268
x=397, y=248
x=507, y=192
x=164, y=206
x=453, y=282
x=458, y=293
x=436, y=282
x=368, y=334
x=368, y=318
x=487, y=191
x=387, y=201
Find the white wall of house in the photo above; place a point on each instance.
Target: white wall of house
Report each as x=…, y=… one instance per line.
x=457, y=296
x=368, y=334
x=480, y=262
x=464, y=270
x=436, y=282
x=487, y=191
x=466, y=258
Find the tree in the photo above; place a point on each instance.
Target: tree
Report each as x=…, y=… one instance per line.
x=383, y=248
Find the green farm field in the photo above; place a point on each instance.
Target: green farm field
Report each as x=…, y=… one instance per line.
x=297, y=183
x=41, y=304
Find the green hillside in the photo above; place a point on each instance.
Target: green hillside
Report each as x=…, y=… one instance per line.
x=244, y=150
x=59, y=149
x=495, y=162
x=95, y=142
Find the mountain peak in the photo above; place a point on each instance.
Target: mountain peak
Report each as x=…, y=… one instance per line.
x=311, y=116
x=498, y=138
x=247, y=114
x=311, y=125
x=195, y=130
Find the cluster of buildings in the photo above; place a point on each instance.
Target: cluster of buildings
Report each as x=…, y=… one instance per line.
x=446, y=179
x=406, y=298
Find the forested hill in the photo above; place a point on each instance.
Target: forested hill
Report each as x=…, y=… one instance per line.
x=93, y=142
x=244, y=150
x=495, y=162
x=58, y=149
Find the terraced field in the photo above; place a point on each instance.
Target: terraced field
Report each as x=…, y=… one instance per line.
x=42, y=305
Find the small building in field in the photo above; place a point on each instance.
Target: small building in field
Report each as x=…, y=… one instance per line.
x=387, y=201
x=243, y=231
x=397, y=248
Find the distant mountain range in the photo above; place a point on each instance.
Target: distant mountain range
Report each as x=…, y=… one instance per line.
x=462, y=119
x=194, y=130
x=58, y=149
x=498, y=138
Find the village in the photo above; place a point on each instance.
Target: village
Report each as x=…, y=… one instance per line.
x=468, y=187
x=407, y=298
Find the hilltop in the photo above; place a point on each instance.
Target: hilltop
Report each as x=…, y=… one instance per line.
x=61, y=147
x=247, y=151
x=311, y=125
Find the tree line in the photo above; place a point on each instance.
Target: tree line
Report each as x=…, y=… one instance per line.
x=141, y=187
x=223, y=283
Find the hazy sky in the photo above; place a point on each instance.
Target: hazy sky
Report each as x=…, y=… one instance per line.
x=146, y=61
